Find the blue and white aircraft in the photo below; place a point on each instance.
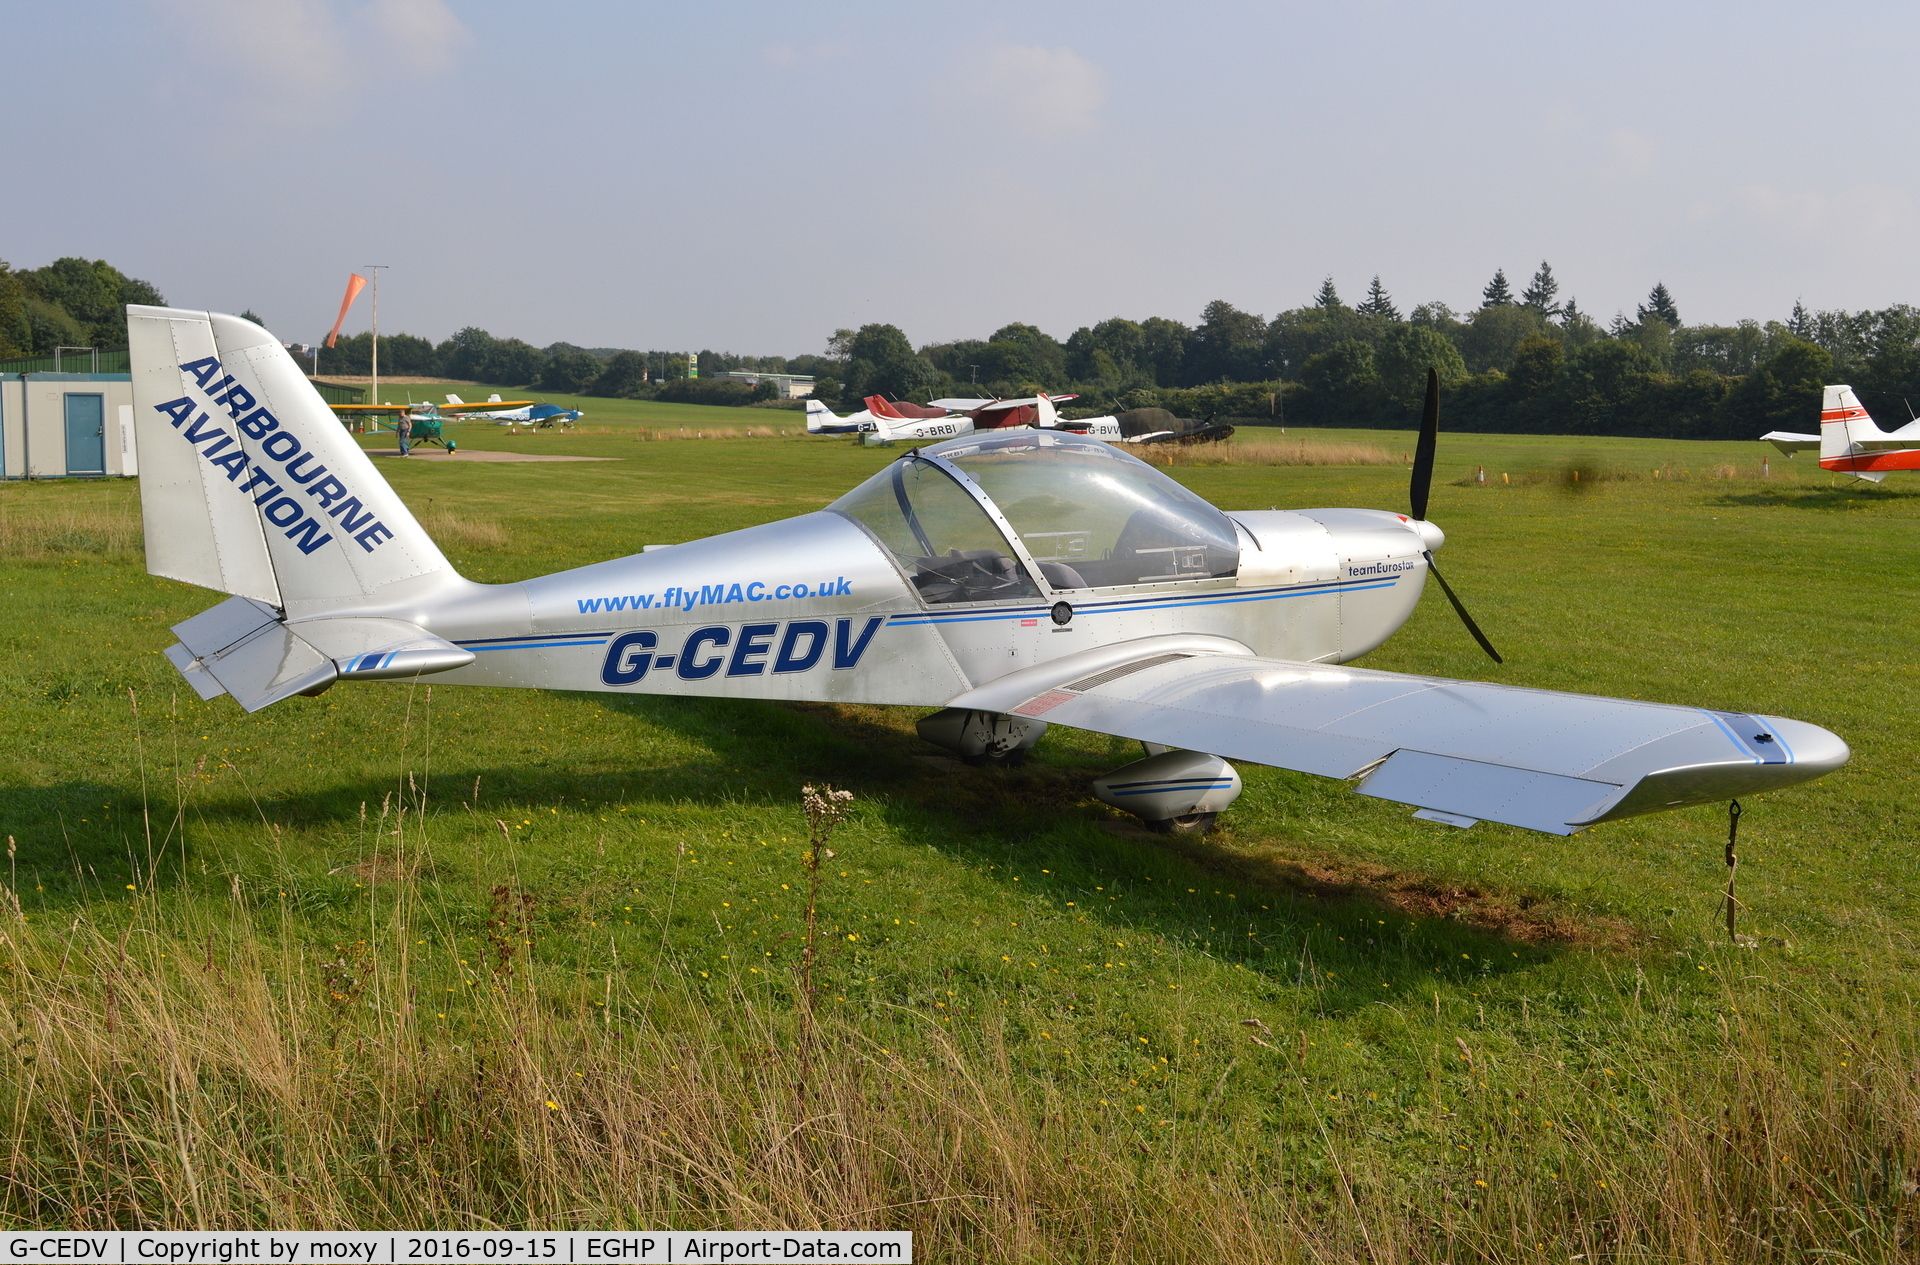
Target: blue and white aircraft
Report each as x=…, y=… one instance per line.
x=1011, y=578
x=531, y=414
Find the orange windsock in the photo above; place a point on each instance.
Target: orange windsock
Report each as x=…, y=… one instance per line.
x=355, y=284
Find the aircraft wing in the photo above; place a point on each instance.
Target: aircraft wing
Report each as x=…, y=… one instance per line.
x=1788, y=442
x=1460, y=751
x=490, y=406
x=959, y=406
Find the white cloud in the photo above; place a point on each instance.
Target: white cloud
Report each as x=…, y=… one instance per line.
x=422, y=35
x=1042, y=92
x=1860, y=210
x=292, y=58
x=1630, y=153
x=812, y=54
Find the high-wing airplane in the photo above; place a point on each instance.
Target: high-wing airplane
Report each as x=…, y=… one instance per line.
x=1012, y=578
x=512, y=412
x=1851, y=442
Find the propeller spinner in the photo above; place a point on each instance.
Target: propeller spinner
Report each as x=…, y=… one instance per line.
x=1421, y=485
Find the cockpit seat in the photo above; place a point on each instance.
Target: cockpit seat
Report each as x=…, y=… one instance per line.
x=1061, y=576
x=968, y=575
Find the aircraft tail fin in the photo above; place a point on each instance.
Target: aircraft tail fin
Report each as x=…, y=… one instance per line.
x=249, y=483
x=1844, y=427
x=819, y=416
x=454, y=399
x=1844, y=421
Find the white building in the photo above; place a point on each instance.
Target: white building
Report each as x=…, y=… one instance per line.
x=792, y=385
x=66, y=425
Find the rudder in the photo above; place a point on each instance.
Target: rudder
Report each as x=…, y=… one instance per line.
x=251, y=486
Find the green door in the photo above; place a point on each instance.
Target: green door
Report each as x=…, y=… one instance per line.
x=86, y=434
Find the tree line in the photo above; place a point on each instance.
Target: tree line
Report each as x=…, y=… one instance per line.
x=69, y=303
x=1525, y=362
x=474, y=355
x=1517, y=362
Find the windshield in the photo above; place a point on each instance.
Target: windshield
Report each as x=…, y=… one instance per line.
x=938, y=534
x=1093, y=516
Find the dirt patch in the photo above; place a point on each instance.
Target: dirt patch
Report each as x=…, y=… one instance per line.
x=380, y=868
x=1517, y=916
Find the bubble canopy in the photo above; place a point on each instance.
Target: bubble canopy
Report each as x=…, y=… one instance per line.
x=1086, y=513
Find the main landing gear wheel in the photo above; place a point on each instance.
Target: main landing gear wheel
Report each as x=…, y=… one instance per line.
x=1174, y=792
x=1185, y=824
x=1009, y=759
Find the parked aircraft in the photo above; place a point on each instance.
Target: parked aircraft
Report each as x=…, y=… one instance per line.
x=514, y=412
x=1851, y=442
x=1012, y=578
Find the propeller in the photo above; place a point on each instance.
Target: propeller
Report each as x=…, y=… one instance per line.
x=1421, y=485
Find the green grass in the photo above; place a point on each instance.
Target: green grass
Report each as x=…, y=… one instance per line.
x=1034, y=1039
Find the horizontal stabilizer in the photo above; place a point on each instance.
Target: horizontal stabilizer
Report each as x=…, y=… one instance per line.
x=1788, y=442
x=241, y=647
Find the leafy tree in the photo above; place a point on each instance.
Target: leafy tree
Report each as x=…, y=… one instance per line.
x=1023, y=354
x=49, y=326
x=16, y=335
x=1602, y=388
x=1227, y=346
x=623, y=377
x=1497, y=293
x=569, y=369
x=1340, y=382
x=1540, y=291
x=1378, y=302
x=94, y=294
x=1164, y=346
x=513, y=362
x=1660, y=303
x=882, y=362
x=1328, y=297
x=464, y=356
x=1435, y=316
x=1535, y=370
x=1121, y=341
x=707, y=391
x=1490, y=338
x=1403, y=357
x=1783, y=393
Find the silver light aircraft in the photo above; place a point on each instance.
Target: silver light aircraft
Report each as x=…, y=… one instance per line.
x=1013, y=579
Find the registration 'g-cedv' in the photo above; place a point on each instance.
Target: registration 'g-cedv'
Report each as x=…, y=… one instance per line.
x=1014, y=578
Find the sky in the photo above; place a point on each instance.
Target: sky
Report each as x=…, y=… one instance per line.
x=750, y=177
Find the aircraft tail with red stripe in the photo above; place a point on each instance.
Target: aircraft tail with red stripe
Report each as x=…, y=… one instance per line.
x=1851, y=442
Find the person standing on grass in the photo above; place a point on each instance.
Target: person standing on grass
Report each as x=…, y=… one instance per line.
x=404, y=428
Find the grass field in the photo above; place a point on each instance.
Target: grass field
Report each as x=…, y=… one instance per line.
x=465, y=958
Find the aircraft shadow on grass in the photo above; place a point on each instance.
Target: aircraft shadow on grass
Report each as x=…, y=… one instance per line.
x=1854, y=495
x=83, y=841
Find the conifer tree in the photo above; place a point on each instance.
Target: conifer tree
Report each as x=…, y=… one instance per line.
x=1328, y=296
x=1540, y=291
x=1378, y=302
x=1570, y=312
x=1800, y=321
x=1660, y=303
x=1498, y=293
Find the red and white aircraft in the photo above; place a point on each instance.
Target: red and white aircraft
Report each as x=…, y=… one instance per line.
x=1851, y=442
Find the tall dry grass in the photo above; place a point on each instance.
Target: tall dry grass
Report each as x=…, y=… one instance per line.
x=235, y=1078
x=1269, y=452
x=451, y=529
x=91, y=518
